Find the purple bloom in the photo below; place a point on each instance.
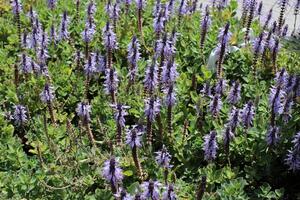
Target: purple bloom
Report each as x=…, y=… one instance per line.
x=151, y=190
x=156, y=8
x=35, y=67
x=227, y=136
x=89, y=66
x=83, y=110
x=170, y=7
x=224, y=34
x=120, y=113
x=134, y=137
x=140, y=4
x=91, y=9
x=169, y=48
x=169, y=72
x=88, y=33
x=234, y=93
x=25, y=40
x=205, y=24
x=285, y=30
x=47, y=95
x=258, y=44
x=287, y=107
x=16, y=7
x=150, y=81
x=123, y=195
x=293, y=160
x=273, y=136
x=221, y=87
x=247, y=114
x=99, y=61
x=64, y=33
x=215, y=104
x=19, y=115
x=53, y=36
x=90, y=27
x=51, y=4
x=112, y=171
x=25, y=64
x=268, y=19
x=276, y=99
x=111, y=81
x=206, y=90
x=163, y=158
x=281, y=78
x=234, y=121
x=169, y=194
x=296, y=142
x=210, y=146
x=115, y=14
x=133, y=57
x=182, y=8
x=259, y=8
x=170, y=97
x=158, y=23
x=109, y=37
x=152, y=108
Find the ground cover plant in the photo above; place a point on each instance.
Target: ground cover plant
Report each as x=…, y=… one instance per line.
x=148, y=100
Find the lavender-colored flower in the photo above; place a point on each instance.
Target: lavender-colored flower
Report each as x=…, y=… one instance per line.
x=224, y=34
x=53, y=36
x=273, y=137
x=276, y=99
x=169, y=48
x=227, y=136
x=32, y=16
x=134, y=137
x=234, y=120
x=296, y=142
x=35, y=67
x=170, y=97
x=281, y=78
x=293, y=160
x=158, y=23
x=133, y=57
x=109, y=37
x=234, y=93
x=25, y=40
x=206, y=90
x=215, y=104
x=163, y=158
x=247, y=114
x=112, y=171
x=44, y=69
x=296, y=89
x=156, y=8
x=290, y=84
x=25, y=64
x=115, y=14
x=151, y=190
x=182, y=8
x=267, y=19
x=19, y=115
x=120, y=111
x=123, y=195
x=221, y=87
x=169, y=72
x=99, y=61
x=170, y=7
x=83, y=110
x=287, y=107
x=210, y=146
x=285, y=30
x=42, y=50
x=47, y=95
x=89, y=66
x=150, y=81
x=140, y=4
x=258, y=44
x=64, y=33
x=51, y=4
x=259, y=8
x=152, y=108
x=88, y=32
x=111, y=81
x=205, y=25
x=108, y=8
x=16, y=7
x=169, y=193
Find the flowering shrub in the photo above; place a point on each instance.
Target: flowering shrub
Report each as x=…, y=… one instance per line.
x=148, y=100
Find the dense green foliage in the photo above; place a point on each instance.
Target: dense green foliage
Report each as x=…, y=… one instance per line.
x=44, y=161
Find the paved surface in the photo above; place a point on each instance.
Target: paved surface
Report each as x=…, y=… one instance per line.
x=267, y=5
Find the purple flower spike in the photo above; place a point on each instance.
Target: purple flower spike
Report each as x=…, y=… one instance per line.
x=158, y=23
x=234, y=120
x=221, y=87
x=169, y=194
x=89, y=66
x=205, y=25
x=281, y=78
x=16, y=7
x=170, y=98
x=169, y=72
x=151, y=190
x=163, y=158
x=83, y=110
x=268, y=19
x=258, y=45
x=140, y=4
x=206, y=90
x=224, y=34
x=109, y=37
x=25, y=64
x=210, y=146
x=120, y=113
x=247, y=114
x=182, y=8
x=290, y=84
x=296, y=142
x=51, y=4
x=293, y=160
x=287, y=108
x=215, y=104
x=123, y=195
x=273, y=136
x=19, y=115
x=228, y=135
x=152, y=108
x=64, y=33
x=134, y=137
x=47, y=95
x=133, y=57
x=53, y=36
x=111, y=81
x=285, y=30
x=112, y=172
x=99, y=61
x=276, y=99
x=259, y=8
x=235, y=93
x=150, y=81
